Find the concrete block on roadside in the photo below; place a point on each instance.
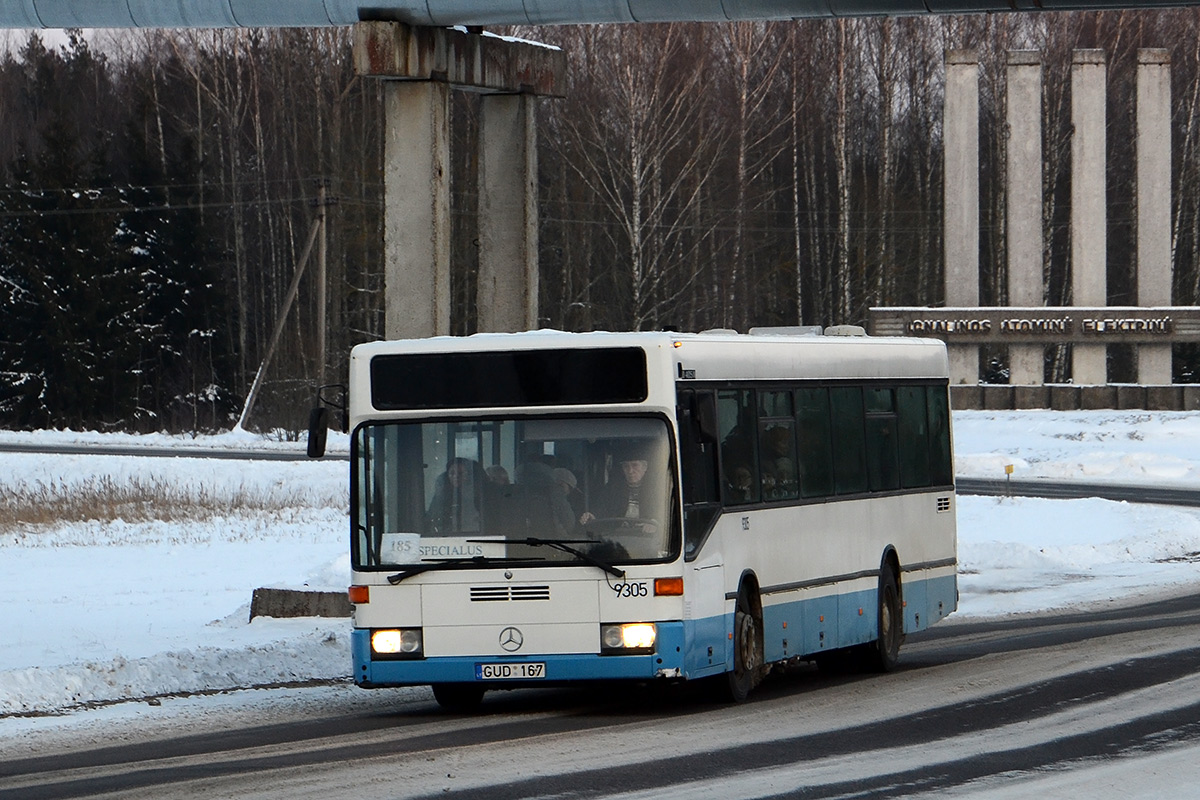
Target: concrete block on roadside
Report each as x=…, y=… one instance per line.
x=1131, y=397
x=1031, y=397
x=966, y=397
x=1164, y=398
x=997, y=397
x=286, y=603
x=1097, y=397
x=1064, y=397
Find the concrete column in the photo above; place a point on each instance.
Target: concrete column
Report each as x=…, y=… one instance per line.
x=961, y=193
x=508, y=232
x=416, y=227
x=1089, y=215
x=1024, y=205
x=1154, y=265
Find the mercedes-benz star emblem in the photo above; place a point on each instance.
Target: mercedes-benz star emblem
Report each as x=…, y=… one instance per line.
x=511, y=639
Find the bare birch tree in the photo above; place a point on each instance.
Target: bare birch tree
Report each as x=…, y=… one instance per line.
x=633, y=146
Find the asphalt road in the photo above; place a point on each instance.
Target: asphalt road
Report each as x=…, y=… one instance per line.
x=973, y=704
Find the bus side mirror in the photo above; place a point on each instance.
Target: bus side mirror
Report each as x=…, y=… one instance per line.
x=318, y=431
x=706, y=416
x=318, y=419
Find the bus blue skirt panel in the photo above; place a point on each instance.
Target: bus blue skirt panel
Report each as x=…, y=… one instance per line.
x=666, y=662
x=809, y=627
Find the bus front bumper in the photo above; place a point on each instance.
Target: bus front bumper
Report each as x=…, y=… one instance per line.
x=665, y=663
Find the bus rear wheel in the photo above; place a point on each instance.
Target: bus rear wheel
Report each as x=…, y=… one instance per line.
x=458, y=696
x=747, y=650
x=884, y=653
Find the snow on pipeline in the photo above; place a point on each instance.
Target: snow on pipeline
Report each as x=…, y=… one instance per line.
x=129, y=578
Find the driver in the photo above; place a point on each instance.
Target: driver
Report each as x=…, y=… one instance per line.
x=623, y=496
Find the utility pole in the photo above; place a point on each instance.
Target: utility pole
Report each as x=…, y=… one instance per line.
x=316, y=236
x=323, y=201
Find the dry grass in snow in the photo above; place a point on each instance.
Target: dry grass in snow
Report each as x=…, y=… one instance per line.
x=134, y=499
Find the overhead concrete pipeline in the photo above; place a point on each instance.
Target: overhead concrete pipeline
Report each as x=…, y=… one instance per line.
x=323, y=13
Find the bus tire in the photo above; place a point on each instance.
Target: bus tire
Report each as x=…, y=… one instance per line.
x=458, y=696
x=884, y=653
x=747, y=650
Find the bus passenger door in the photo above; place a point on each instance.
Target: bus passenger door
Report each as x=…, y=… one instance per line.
x=705, y=626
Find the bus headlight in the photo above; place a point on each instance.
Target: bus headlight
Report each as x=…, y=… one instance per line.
x=628, y=638
x=397, y=643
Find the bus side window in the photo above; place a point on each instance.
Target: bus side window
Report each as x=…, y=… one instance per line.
x=816, y=445
x=941, y=468
x=883, y=471
x=914, y=436
x=697, y=454
x=849, y=443
x=739, y=462
x=777, y=446
x=698, y=460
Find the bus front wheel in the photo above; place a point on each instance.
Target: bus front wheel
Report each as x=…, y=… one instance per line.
x=747, y=649
x=458, y=696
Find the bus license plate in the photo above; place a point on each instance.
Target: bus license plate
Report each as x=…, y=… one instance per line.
x=510, y=672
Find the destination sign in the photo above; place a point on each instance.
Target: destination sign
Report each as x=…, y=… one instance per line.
x=1051, y=325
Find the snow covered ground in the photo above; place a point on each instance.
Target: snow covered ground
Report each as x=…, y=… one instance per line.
x=1152, y=447
x=1021, y=554
x=100, y=611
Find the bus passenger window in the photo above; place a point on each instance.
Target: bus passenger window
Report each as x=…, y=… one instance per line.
x=774, y=404
x=914, y=436
x=941, y=469
x=697, y=456
x=816, y=447
x=777, y=447
x=698, y=459
x=883, y=471
x=850, y=458
x=739, y=464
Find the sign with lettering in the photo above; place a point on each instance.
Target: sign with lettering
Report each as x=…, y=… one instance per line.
x=1051, y=325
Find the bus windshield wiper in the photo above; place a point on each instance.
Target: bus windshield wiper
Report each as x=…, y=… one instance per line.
x=565, y=546
x=417, y=569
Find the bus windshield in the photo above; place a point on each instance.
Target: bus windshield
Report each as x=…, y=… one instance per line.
x=464, y=492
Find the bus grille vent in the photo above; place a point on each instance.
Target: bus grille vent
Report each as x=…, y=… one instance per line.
x=494, y=594
x=943, y=504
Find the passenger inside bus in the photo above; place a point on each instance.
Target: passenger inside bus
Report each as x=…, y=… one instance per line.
x=569, y=485
x=533, y=506
x=498, y=475
x=457, y=498
x=739, y=488
x=779, y=463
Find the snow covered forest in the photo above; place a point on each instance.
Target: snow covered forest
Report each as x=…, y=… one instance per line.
x=158, y=187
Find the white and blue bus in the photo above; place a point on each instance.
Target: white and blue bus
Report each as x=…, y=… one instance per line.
x=544, y=508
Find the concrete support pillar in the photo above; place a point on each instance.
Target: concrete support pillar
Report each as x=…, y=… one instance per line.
x=419, y=67
x=416, y=227
x=961, y=194
x=1154, y=267
x=508, y=232
x=1089, y=215
x=1024, y=204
